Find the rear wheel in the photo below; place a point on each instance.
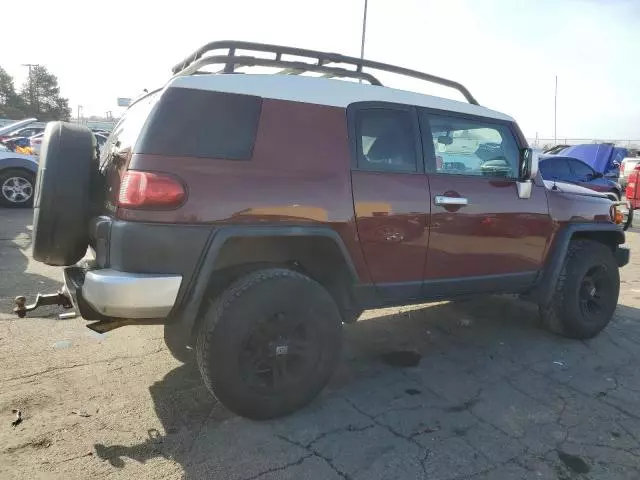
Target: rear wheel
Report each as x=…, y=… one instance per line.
x=269, y=343
x=17, y=187
x=586, y=293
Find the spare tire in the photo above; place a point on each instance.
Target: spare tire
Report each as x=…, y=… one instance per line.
x=62, y=204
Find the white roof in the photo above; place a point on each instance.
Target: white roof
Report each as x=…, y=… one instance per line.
x=323, y=91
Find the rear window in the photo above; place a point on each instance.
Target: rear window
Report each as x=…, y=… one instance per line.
x=201, y=123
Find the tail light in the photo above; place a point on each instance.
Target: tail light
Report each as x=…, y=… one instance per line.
x=150, y=190
x=631, y=191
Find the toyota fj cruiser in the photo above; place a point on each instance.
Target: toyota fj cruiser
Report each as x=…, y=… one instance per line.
x=254, y=214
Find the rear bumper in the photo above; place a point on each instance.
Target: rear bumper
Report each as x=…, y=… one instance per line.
x=108, y=293
x=622, y=255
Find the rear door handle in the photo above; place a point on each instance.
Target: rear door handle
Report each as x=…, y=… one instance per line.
x=442, y=200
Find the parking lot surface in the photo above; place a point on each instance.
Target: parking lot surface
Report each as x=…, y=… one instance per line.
x=471, y=389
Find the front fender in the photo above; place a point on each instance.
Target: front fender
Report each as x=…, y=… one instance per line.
x=547, y=280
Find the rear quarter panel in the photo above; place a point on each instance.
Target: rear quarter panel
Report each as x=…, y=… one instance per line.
x=299, y=174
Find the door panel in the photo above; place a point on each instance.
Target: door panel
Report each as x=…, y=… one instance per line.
x=495, y=233
x=391, y=197
x=391, y=212
x=479, y=227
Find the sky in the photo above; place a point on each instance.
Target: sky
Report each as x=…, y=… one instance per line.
x=506, y=52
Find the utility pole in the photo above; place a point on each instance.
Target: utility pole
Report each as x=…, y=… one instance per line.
x=79, y=110
x=33, y=96
x=364, y=28
x=555, y=115
x=364, y=31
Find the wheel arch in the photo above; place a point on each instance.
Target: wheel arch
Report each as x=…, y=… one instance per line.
x=13, y=163
x=315, y=251
x=608, y=234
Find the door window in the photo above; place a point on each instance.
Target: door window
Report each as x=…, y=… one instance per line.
x=386, y=140
x=471, y=147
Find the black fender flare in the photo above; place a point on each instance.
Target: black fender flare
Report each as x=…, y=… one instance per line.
x=188, y=307
x=546, y=283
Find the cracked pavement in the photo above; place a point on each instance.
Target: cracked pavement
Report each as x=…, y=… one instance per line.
x=493, y=397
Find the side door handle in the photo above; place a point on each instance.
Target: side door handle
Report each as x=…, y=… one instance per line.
x=443, y=200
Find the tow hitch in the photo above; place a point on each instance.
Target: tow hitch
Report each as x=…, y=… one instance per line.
x=60, y=298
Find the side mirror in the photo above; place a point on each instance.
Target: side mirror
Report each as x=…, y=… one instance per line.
x=528, y=167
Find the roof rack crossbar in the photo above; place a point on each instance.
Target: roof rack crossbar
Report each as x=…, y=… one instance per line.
x=185, y=67
x=232, y=62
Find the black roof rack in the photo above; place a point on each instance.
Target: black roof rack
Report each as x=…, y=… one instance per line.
x=321, y=63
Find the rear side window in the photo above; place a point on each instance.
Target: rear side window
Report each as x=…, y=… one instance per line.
x=386, y=140
x=201, y=123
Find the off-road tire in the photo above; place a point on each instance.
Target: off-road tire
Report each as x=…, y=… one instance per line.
x=246, y=307
x=21, y=174
x=63, y=194
x=564, y=315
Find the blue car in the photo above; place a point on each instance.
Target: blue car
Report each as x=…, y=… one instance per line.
x=572, y=170
x=17, y=173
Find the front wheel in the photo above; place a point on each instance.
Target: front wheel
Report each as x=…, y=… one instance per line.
x=269, y=343
x=586, y=293
x=16, y=188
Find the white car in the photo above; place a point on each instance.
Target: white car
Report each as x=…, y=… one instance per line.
x=627, y=166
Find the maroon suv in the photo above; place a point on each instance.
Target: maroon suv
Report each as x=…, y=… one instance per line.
x=254, y=214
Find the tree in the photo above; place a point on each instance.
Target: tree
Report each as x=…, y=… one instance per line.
x=10, y=102
x=40, y=95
